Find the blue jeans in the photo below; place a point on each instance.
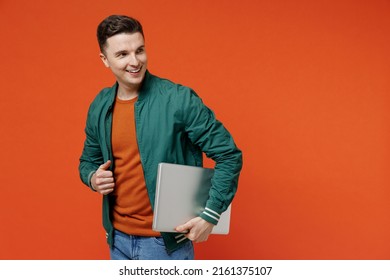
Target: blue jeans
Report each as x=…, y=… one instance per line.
x=131, y=247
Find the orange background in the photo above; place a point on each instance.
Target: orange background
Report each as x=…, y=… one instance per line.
x=302, y=85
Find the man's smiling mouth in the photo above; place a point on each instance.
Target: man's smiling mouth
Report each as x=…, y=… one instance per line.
x=134, y=71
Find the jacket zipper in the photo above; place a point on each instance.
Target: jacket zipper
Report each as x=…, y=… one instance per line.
x=139, y=143
x=137, y=136
x=108, y=135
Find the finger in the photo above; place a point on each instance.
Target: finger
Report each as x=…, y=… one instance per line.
x=104, y=180
x=105, y=192
x=183, y=228
x=105, y=165
x=104, y=174
x=106, y=186
x=202, y=238
x=190, y=236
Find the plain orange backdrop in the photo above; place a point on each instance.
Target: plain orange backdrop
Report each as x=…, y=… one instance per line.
x=302, y=85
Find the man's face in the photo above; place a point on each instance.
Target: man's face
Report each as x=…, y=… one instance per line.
x=125, y=54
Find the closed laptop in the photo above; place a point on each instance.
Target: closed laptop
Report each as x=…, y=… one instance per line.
x=181, y=194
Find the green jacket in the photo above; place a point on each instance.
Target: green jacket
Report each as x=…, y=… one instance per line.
x=173, y=126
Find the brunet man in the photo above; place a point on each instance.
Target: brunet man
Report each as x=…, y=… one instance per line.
x=133, y=126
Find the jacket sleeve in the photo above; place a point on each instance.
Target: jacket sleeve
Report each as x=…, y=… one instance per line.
x=205, y=131
x=91, y=157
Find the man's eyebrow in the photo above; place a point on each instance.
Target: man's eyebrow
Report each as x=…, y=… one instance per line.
x=120, y=52
x=125, y=51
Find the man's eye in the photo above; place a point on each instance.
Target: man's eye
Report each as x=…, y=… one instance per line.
x=140, y=51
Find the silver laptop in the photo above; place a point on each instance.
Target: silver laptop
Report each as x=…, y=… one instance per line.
x=181, y=194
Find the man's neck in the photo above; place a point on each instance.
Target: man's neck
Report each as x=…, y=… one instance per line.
x=127, y=93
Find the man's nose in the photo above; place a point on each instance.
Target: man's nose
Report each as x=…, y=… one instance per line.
x=133, y=60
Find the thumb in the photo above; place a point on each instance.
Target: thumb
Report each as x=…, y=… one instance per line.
x=184, y=228
x=105, y=165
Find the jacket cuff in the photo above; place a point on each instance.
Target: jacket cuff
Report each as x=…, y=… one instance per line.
x=211, y=215
x=89, y=180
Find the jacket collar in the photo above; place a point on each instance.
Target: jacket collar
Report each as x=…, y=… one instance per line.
x=144, y=90
x=146, y=86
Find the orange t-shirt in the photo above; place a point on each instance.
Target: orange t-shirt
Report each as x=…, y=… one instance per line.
x=132, y=212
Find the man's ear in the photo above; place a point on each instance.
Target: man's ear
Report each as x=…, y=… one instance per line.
x=104, y=59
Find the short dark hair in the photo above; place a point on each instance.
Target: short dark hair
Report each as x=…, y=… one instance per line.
x=116, y=24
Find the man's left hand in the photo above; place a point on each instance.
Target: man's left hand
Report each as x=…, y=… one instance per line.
x=197, y=228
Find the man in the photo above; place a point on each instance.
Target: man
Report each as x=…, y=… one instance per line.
x=133, y=126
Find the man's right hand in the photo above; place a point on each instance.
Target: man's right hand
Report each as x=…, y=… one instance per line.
x=103, y=179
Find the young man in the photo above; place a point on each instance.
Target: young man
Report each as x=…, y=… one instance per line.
x=133, y=126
